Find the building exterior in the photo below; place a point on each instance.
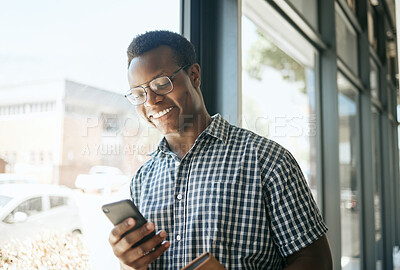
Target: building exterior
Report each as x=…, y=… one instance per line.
x=58, y=129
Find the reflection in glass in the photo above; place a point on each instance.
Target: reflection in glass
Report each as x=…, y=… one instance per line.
x=278, y=98
x=309, y=9
x=352, y=5
x=377, y=188
x=372, y=29
x=346, y=41
x=62, y=113
x=374, y=80
x=349, y=190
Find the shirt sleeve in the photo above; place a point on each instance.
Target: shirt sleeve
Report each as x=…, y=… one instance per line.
x=294, y=216
x=135, y=188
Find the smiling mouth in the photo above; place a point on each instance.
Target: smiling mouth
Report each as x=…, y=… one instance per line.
x=161, y=114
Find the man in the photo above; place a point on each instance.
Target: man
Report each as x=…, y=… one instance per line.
x=211, y=186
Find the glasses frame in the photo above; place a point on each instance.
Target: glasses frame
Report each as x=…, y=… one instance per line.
x=148, y=86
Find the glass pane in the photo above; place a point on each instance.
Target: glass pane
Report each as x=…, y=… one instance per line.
x=349, y=191
x=352, y=5
x=398, y=104
x=278, y=98
x=391, y=53
x=377, y=188
x=374, y=80
x=30, y=207
x=346, y=41
x=372, y=29
x=64, y=119
x=309, y=9
x=56, y=201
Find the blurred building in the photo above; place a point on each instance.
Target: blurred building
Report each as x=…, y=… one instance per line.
x=57, y=129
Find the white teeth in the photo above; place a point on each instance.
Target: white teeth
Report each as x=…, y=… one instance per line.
x=164, y=112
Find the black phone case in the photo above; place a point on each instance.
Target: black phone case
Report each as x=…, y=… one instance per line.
x=121, y=210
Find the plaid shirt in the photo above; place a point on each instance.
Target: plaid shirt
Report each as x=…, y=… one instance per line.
x=235, y=194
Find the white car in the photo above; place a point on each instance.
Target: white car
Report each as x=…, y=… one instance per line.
x=27, y=209
x=102, y=178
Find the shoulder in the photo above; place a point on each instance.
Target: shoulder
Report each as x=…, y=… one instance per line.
x=147, y=167
x=264, y=148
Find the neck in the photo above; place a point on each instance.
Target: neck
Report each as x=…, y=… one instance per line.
x=182, y=141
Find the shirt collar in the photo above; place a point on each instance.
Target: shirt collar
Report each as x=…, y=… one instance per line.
x=218, y=128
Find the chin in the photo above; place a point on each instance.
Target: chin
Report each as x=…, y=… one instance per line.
x=168, y=130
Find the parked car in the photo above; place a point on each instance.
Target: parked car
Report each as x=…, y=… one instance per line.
x=102, y=178
x=27, y=209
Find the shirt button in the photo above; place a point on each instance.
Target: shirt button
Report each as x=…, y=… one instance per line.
x=179, y=197
x=178, y=237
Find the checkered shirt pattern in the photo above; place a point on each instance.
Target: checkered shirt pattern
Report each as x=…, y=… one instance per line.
x=235, y=194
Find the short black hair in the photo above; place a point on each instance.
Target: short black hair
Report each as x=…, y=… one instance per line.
x=183, y=49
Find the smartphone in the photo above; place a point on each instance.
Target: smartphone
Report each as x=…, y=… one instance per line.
x=121, y=210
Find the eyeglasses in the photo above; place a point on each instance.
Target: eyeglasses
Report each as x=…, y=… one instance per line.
x=160, y=86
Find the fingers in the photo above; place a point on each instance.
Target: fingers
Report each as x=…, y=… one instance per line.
x=133, y=237
x=148, y=252
x=120, y=229
x=143, y=254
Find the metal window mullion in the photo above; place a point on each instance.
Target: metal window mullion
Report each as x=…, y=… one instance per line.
x=214, y=29
x=368, y=246
x=329, y=129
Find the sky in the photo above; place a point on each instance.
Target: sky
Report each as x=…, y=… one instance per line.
x=84, y=41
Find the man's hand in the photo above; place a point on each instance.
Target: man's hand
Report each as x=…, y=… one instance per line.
x=141, y=256
x=315, y=256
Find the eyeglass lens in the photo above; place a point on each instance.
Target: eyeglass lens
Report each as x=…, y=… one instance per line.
x=160, y=86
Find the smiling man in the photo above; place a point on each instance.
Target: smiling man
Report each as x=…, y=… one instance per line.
x=211, y=186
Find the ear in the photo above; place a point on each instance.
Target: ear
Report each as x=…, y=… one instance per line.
x=195, y=75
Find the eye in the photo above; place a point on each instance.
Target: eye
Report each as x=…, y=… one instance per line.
x=161, y=84
x=138, y=93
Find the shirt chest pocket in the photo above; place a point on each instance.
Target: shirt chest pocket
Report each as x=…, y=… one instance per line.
x=233, y=209
x=238, y=175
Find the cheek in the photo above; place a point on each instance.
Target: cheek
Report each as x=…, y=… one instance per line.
x=140, y=112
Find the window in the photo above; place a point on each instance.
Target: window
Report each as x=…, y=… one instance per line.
x=391, y=53
x=4, y=200
x=372, y=27
x=110, y=122
x=352, y=5
x=53, y=118
x=309, y=10
x=374, y=80
x=346, y=41
x=56, y=201
x=31, y=206
x=349, y=183
x=278, y=91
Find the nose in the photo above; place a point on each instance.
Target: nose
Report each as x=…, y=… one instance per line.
x=152, y=98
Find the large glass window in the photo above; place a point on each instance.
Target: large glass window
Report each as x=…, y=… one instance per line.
x=352, y=5
x=309, y=10
x=349, y=187
x=377, y=178
x=374, y=80
x=346, y=41
x=63, y=74
x=372, y=27
x=278, y=92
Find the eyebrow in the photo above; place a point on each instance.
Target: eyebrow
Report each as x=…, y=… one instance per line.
x=160, y=74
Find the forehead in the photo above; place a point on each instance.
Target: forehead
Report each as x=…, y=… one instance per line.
x=151, y=64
